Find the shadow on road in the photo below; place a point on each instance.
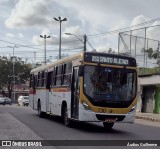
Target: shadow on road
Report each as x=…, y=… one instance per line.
x=85, y=126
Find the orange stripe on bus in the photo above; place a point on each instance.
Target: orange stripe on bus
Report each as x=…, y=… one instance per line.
x=60, y=89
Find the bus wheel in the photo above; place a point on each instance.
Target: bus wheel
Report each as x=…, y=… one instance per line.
x=108, y=125
x=40, y=113
x=67, y=121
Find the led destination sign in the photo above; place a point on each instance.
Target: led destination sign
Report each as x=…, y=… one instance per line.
x=109, y=59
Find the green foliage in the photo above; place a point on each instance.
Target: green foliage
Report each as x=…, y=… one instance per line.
x=142, y=71
x=21, y=71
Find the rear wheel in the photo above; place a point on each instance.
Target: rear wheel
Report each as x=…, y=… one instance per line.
x=108, y=125
x=67, y=121
x=40, y=113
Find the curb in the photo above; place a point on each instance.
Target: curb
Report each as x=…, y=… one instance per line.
x=148, y=118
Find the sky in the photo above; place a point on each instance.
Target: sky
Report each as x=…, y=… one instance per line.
x=23, y=21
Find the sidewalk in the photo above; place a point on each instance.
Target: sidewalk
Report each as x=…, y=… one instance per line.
x=12, y=129
x=148, y=116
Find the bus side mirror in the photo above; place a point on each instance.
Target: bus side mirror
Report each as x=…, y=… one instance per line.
x=81, y=71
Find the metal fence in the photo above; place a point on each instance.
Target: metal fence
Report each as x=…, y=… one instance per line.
x=142, y=44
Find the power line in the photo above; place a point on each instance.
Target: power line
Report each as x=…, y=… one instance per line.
x=18, y=44
x=122, y=29
x=14, y=37
x=90, y=45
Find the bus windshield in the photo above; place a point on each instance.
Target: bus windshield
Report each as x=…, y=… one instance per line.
x=109, y=84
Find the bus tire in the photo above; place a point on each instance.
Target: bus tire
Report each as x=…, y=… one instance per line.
x=67, y=121
x=40, y=113
x=108, y=125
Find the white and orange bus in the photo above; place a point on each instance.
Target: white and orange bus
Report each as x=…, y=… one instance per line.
x=88, y=87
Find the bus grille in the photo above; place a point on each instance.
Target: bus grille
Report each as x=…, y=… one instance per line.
x=104, y=117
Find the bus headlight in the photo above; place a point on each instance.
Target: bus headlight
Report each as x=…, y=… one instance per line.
x=86, y=106
x=133, y=108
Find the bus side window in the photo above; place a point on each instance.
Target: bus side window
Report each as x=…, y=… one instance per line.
x=42, y=78
x=53, y=80
x=49, y=79
x=33, y=82
x=58, y=76
x=36, y=81
x=67, y=74
x=45, y=78
x=39, y=80
x=31, y=77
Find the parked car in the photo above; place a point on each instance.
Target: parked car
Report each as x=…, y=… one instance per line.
x=5, y=100
x=23, y=100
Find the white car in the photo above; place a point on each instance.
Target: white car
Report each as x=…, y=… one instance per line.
x=5, y=100
x=23, y=100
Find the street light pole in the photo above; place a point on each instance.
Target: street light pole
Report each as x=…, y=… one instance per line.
x=13, y=72
x=44, y=46
x=84, y=41
x=60, y=21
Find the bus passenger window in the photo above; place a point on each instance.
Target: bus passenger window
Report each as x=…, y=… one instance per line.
x=49, y=80
x=58, y=78
x=39, y=80
x=67, y=74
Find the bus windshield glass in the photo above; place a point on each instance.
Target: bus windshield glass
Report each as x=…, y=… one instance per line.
x=111, y=84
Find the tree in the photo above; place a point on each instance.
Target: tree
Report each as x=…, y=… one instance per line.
x=110, y=50
x=21, y=71
x=153, y=54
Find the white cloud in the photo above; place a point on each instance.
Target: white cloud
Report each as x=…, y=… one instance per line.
x=38, y=40
x=83, y=17
x=103, y=48
x=20, y=35
x=68, y=41
x=4, y=1
x=74, y=30
x=28, y=13
x=10, y=35
x=92, y=14
x=139, y=19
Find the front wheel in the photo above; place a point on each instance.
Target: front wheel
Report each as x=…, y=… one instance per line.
x=67, y=121
x=108, y=125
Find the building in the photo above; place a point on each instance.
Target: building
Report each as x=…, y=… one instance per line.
x=149, y=93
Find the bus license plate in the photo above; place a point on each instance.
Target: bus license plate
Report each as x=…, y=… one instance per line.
x=110, y=120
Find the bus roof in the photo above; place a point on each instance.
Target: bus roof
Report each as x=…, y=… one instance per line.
x=86, y=59
x=50, y=65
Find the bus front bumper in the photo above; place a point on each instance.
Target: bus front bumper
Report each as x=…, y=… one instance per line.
x=90, y=116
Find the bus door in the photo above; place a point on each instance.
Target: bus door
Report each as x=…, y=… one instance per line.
x=75, y=93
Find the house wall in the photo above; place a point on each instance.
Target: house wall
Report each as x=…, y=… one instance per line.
x=148, y=93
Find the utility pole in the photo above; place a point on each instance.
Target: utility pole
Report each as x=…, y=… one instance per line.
x=85, y=41
x=13, y=73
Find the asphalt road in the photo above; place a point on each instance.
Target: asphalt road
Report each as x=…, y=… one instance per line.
x=52, y=128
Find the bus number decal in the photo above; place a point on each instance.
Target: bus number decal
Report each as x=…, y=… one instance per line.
x=101, y=110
